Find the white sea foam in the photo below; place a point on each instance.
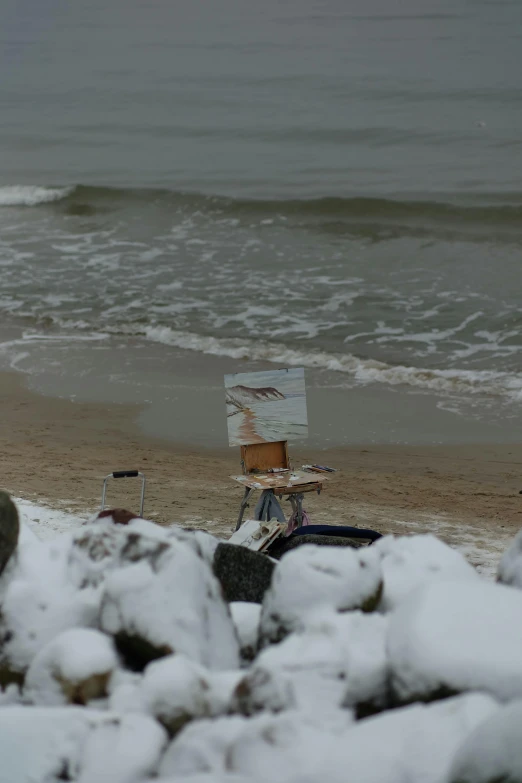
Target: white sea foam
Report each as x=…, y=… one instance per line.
x=30, y=195
x=363, y=371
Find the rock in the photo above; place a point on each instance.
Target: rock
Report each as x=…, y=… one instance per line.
x=336, y=660
x=411, y=744
x=263, y=748
x=42, y=743
x=118, y=516
x=100, y=548
x=166, y=601
x=73, y=668
x=39, y=600
x=9, y=529
x=492, y=753
x=201, y=748
x=203, y=543
x=510, y=566
x=452, y=637
x=175, y=691
x=318, y=577
x=283, y=545
x=48, y=744
x=246, y=618
x=122, y=749
x=408, y=562
x=243, y=575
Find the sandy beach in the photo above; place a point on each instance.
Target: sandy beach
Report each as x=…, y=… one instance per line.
x=57, y=452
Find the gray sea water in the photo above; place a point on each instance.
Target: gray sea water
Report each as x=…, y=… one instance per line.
x=335, y=185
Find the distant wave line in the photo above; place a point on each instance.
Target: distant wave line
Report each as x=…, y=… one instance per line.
x=491, y=209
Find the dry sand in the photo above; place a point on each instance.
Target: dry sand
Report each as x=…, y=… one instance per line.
x=56, y=452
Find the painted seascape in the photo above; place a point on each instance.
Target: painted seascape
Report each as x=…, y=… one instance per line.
x=266, y=406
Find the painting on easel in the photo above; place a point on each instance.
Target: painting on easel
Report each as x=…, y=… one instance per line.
x=266, y=406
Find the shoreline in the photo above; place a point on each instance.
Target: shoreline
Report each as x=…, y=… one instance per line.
x=182, y=399
x=56, y=452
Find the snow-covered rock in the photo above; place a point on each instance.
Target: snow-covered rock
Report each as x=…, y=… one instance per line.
x=54, y=585
x=282, y=747
x=510, y=566
x=201, y=747
x=38, y=601
x=204, y=544
x=168, y=603
x=315, y=577
x=252, y=747
x=414, y=743
x=11, y=695
x=492, y=753
x=336, y=660
x=73, y=668
x=153, y=592
x=124, y=691
x=176, y=690
x=451, y=637
x=42, y=744
x=246, y=618
x=408, y=562
x=122, y=749
x=48, y=744
x=411, y=744
x=99, y=549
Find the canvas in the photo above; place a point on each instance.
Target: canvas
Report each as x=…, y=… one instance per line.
x=266, y=406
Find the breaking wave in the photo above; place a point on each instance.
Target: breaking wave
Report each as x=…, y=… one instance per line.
x=503, y=211
x=363, y=371
x=31, y=195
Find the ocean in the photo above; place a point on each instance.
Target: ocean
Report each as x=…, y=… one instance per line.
x=326, y=184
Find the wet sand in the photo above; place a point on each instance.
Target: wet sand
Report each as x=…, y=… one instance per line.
x=57, y=452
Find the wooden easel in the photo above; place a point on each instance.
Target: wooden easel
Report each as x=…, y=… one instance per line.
x=258, y=461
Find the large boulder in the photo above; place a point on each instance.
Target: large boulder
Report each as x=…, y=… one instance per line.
x=451, y=637
x=492, y=753
x=244, y=575
x=316, y=577
x=409, y=562
x=73, y=668
x=510, y=566
x=9, y=529
x=167, y=602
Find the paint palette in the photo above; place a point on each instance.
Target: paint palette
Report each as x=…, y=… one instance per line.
x=280, y=481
